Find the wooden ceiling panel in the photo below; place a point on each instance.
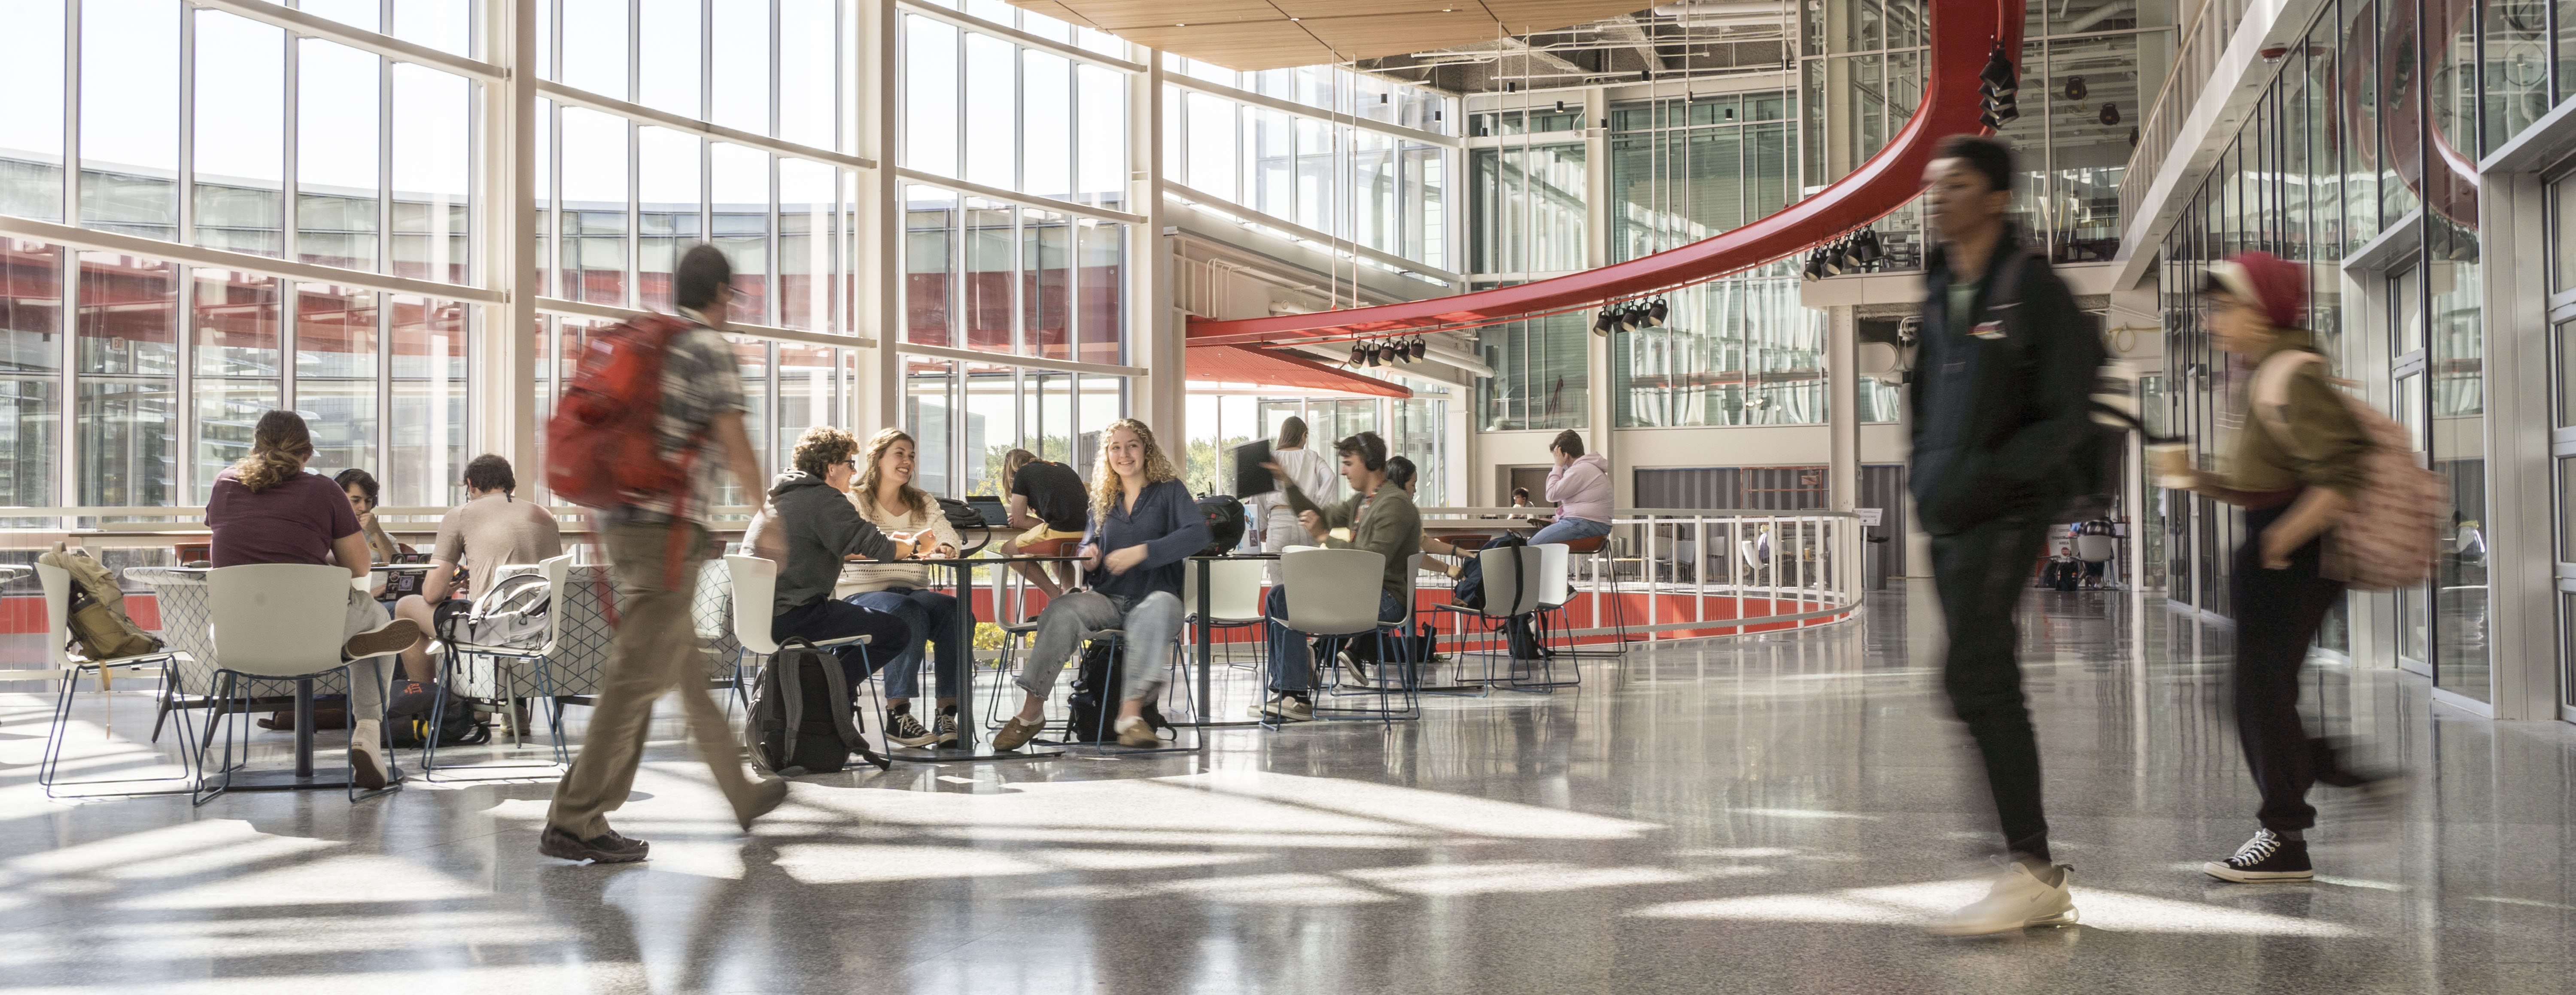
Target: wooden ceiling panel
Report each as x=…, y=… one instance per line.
x=1256, y=34
x=1314, y=9
x=1055, y=10
x=1114, y=15
x=1521, y=17
x=1246, y=45
x=1400, y=34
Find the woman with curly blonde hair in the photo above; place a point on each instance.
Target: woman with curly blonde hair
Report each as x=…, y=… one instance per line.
x=1143, y=525
x=886, y=498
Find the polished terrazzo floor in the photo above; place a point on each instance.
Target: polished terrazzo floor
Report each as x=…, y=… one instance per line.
x=1753, y=815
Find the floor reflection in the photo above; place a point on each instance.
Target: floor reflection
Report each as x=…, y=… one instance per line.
x=1765, y=814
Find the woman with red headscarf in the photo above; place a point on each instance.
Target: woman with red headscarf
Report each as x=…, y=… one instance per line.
x=2296, y=469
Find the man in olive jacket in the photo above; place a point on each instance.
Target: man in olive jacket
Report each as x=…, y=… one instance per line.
x=1380, y=518
x=2000, y=411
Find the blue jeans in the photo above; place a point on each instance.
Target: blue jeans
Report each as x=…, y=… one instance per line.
x=1288, y=646
x=932, y=617
x=1152, y=624
x=824, y=618
x=1568, y=530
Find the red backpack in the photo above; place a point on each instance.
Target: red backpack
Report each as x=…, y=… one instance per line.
x=603, y=448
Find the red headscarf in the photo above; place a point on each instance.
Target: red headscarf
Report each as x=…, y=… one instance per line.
x=2276, y=285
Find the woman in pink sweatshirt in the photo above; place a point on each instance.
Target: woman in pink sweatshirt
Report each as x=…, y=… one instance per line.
x=1580, y=486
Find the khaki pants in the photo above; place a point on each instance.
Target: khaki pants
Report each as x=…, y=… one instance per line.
x=655, y=651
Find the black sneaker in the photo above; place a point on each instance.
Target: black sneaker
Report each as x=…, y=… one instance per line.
x=946, y=726
x=606, y=848
x=2266, y=857
x=902, y=728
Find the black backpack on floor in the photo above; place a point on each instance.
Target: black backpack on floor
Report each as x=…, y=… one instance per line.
x=407, y=717
x=1093, y=706
x=805, y=683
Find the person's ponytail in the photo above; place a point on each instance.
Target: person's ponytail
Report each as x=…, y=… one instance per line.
x=279, y=446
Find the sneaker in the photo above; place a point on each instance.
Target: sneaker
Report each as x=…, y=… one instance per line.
x=2019, y=899
x=1285, y=708
x=391, y=637
x=946, y=727
x=2266, y=857
x=1359, y=671
x=1138, y=732
x=765, y=796
x=902, y=728
x=606, y=848
x=1015, y=734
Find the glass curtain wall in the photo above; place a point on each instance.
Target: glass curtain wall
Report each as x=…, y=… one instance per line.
x=189, y=132
x=2088, y=70
x=1328, y=171
x=2345, y=145
x=1038, y=277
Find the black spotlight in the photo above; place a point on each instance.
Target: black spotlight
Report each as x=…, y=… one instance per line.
x=1608, y=319
x=1632, y=317
x=1832, y=261
x=2075, y=89
x=1847, y=253
x=2110, y=115
x=1656, y=312
x=1996, y=87
x=1419, y=349
x=1867, y=248
x=1815, y=268
x=1385, y=353
x=1359, y=354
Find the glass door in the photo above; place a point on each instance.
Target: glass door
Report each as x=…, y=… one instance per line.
x=2406, y=367
x=2561, y=236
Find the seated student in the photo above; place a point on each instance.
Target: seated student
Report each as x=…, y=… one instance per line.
x=1400, y=472
x=810, y=530
x=885, y=497
x=491, y=529
x=362, y=489
x=1382, y=519
x=1048, y=500
x=1580, y=486
x=1143, y=524
x=266, y=509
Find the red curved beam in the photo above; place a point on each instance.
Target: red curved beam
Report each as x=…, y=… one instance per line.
x=1962, y=33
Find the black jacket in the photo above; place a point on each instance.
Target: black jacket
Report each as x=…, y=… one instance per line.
x=2001, y=406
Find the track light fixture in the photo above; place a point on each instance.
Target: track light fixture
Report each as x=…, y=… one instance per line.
x=1359, y=354
x=1815, y=268
x=1419, y=349
x=1866, y=247
x=1606, y=321
x=2110, y=115
x=1656, y=312
x=1996, y=87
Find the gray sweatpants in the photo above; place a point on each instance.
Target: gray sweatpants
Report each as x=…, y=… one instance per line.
x=1151, y=624
x=368, y=676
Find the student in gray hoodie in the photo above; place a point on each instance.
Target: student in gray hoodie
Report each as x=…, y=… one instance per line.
x=815, y=531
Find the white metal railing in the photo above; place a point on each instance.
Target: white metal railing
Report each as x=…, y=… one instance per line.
x=1767, y=567
x=2204, y=41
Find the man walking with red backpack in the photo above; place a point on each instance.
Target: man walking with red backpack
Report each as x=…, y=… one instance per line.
x=656, y=544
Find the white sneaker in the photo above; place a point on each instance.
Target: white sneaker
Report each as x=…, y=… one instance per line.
x=367, y=755
x=2019, y=899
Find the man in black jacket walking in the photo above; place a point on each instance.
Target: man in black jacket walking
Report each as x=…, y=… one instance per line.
x=1999, y=410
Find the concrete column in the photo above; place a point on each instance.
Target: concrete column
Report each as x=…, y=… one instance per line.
x=1601, y=432
x=1842, y=407
x=2522, y=587
x=503, y=398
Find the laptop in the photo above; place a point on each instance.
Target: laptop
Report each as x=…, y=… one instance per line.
x=996, y=514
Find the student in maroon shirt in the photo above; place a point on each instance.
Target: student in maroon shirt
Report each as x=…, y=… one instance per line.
x=266, y=509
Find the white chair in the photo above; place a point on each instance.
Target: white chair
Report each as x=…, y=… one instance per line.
x=1234, y=597
x=1333, y=595
x=281, y=621
x=755, y=591
x=505, y=663
x=1513, y=581
x=57, y=584
x=1408, y=681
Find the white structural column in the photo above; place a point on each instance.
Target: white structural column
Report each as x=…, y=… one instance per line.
x=1842, y=407
x=504, y=395
x=876, y=390
x=1598, y=419
x=2522, y=593
x=1154, y=322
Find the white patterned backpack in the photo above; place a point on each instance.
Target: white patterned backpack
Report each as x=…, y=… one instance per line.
x=2386, y=540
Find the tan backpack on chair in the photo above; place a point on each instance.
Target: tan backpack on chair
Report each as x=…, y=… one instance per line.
x=97, y=618
x=2386, y=541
